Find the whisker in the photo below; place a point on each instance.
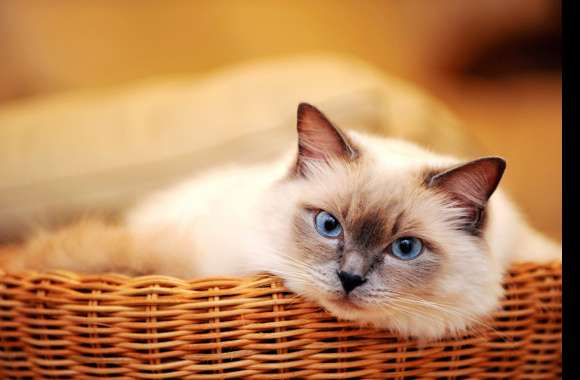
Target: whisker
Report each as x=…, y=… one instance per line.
x=453, y=311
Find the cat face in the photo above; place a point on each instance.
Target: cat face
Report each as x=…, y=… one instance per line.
x=397, y=246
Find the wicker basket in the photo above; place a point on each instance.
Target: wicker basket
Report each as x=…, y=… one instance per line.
x=62, y=325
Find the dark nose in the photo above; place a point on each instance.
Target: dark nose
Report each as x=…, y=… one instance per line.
x=350, y=281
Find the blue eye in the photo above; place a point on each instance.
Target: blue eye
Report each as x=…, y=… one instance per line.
x=407, y=248
x=327, y=225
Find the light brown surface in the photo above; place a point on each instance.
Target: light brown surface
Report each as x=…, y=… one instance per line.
x=63, y=325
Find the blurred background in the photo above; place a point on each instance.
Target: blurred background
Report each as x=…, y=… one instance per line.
x=111, y=98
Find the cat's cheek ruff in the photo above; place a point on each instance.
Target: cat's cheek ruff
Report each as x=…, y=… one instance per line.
x=414, y=323
x=427, y=328
x=474, y=302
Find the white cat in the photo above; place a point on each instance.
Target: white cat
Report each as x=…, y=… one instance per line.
x=376, y=230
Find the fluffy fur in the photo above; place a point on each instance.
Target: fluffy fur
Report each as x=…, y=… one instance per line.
x=243, y=220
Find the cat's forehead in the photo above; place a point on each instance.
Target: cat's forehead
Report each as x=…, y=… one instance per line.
x=360, y=189
x=372, y=207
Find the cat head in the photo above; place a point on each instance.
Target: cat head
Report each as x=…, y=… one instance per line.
x=386, y=233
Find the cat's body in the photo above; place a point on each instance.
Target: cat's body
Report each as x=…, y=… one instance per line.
x=263, y=218
x=225, y=212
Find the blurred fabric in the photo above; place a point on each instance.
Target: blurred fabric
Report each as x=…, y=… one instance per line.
x=71, y=154
x=102, y=100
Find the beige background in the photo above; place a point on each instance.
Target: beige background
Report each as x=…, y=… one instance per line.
x=55, y=46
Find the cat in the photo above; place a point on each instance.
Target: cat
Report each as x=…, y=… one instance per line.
x=376, y=230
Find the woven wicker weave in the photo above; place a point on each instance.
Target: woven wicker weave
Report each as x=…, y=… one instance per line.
x=62, y=325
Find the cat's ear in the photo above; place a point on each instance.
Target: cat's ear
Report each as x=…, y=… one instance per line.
x=471, y=185
x=319, y=139
x=473, y=182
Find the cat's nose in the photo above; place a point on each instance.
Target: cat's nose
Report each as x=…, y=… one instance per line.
x=350, y=281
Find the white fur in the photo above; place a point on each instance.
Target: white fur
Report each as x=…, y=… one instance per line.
x=236, y=221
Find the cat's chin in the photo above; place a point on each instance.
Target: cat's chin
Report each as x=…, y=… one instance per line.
x=425, y=329
x=347, y=304
x=345, y=307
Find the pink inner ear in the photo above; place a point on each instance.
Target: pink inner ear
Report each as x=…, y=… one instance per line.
x=474, y=181
x=318, y=138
